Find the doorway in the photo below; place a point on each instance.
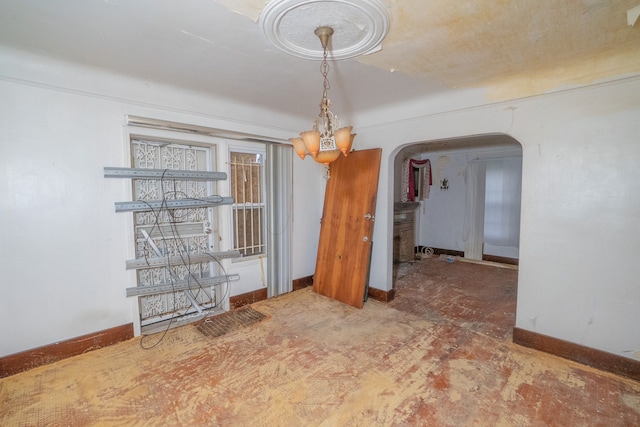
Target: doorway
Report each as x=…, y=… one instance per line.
x=453, y=207
x=474, y=199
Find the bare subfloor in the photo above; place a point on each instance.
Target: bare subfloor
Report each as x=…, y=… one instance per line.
x=439, y=355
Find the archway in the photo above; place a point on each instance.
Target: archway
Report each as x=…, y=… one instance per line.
x=443, y=216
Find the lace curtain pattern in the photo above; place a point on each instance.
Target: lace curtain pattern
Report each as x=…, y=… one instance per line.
x=408, y=180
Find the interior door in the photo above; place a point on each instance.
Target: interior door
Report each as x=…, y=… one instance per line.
x=344, y=250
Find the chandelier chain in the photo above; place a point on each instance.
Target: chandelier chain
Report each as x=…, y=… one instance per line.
x=324, y=68
x=322, y=143
x=326, y=118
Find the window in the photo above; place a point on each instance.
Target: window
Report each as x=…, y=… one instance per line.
x=248, y=192
x=418, y=183
x=502, y=202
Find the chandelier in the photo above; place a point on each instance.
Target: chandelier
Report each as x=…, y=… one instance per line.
x=327, y=140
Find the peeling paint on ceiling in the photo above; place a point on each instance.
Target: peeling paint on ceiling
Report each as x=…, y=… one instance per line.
x=512, y=48
x=632, y=15
x=497, y=49
x=535, y=45
x=249, y=8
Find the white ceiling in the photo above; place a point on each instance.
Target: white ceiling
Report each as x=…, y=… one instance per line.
x=510, y=48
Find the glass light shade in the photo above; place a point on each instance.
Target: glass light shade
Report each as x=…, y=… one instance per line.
x=343, y=139
x=298, y=145
x=311, y=140
x=326, y=157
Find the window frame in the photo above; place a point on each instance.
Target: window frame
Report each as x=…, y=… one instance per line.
x=257, y=150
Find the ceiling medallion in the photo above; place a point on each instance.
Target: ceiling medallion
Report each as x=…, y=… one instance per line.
x=360, y=24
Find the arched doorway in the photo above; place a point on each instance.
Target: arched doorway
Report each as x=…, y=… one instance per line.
x=469, y=218
x=472, y=207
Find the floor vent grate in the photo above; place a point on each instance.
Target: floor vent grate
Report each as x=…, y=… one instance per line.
x=230, y=321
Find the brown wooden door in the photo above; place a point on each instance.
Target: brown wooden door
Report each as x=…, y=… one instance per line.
x=344, y=250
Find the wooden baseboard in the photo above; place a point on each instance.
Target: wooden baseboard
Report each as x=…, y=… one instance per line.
x=241, y=300
x=303, y=282
x=29, y=359
x=373, y=293
x=382, y=296
x=440, y=251
x=578, y=353
x=491, y=258
x=261, y=294
x=500, y=259
x=489, y=263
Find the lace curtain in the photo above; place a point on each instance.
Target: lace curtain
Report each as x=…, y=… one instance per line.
x=408, y=181
x=473, y=229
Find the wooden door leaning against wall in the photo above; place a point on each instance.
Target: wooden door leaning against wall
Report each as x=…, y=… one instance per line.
x=344, y=249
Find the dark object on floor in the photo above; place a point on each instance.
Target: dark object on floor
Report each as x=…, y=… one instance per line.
x=230, y=321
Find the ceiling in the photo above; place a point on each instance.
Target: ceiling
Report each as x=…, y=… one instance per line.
x=509, y=48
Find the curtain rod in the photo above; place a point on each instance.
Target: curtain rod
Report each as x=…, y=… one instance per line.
x=196, y=129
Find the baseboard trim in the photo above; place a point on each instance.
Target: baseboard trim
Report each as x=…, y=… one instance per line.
x=578, y=353
x=29, y=359
x=500, y=259
x=303, y=282
x=373, y=293
x=440, y=251
x=491, y=258
x=241, y=300
x=382, y=296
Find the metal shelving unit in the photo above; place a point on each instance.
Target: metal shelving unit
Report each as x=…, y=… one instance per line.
x=160, y=260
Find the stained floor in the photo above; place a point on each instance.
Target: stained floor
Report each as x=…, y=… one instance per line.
x=439, y=355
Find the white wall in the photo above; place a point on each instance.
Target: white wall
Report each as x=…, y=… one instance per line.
x=63, y=246
x=580, y=233
x=441, y=216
